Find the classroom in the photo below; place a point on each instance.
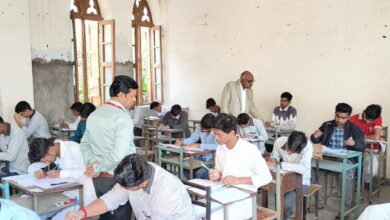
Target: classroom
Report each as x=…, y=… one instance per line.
x=243, y=96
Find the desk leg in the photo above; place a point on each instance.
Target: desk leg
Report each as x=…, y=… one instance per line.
x=298, y=200
x=264, y=198
x=254, y=207
x=81, y=197
x=358, y=186
x=371, y=169
x=226, y=212
x=35, y=203
x=191, y=168
x=317, y=181
x=343, y=186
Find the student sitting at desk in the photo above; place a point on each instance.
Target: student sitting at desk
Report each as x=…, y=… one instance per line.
x=207, y=142
x=14, y=148
x=294, y=153
x=237, y=162
x=252, y=128
x=76, y=110
x=340, y=133
x=153, y=193
x=176, y=119
x=35, y=126
x=284, y=116
x=159, y=109
x=86, y=110
x=370, y=121
x=212, y=106
x=69, y=161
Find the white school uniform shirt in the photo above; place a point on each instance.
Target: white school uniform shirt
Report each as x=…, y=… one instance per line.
x=36, y=127
x=377, y=212
x=243, y=99
x=165, y=197
x=299, y=163
x=72, y=166
x=164, y=110
x=14, y=148
x=73, y=126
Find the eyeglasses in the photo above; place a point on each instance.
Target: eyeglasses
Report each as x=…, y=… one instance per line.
x=250, y=81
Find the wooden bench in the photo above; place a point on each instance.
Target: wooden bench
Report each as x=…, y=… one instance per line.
x=266, y=214
x=313, y=189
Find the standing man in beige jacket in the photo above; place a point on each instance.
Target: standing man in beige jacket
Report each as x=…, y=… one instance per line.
x=237, y=96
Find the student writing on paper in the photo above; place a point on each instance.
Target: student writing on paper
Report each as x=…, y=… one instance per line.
x=153, y=193
x=340, y=133
x=176, y=119
x=67, y=155
x=252, y=128
x=14, y=148
x=237, y=162
x=159, y=109
x=86, y=110
x=284, y=116
x=370, y=121
x=76, y=110
x=212, y=106
x=206, y=137
x=294, y=153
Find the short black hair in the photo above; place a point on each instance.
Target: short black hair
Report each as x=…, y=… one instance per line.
x=206, y=121
x=210, y=103
x=39, y=147
x=175, y=110
x=373, y=111
x=286, y=95
x=243, y=119
x=225, y=122
x=344, y=108
x=154, y=105
x=297, y=141
x=133, y=170
x=123, y=84
x=77, y=106
x=1, y=120
x=22, y=106
x=87, y=109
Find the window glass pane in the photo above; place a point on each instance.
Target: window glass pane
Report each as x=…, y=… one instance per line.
x=107, y=50
x=107, y=71
x=157, y=38
x=157, y=56
x=92, y=56
x=79, y=60
x=145, y=56
x=107, y=33
x=158, y=92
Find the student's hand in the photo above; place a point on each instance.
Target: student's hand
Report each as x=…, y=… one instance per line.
x=248, y=136
x=317, y=134
x=178, y=142
x=349, y=142
x=193, y=145
x=214, y=175
x=70, y=215
x=164, y=127
x=53, y=173
x=231, y=180
x=39, y=174
x=89, y=171
x=267, y=124
x=271, y=163
x=64, y=125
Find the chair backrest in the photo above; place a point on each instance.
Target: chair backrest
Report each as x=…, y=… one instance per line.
x=196, y=197
x=384, y=133
x=317, y=151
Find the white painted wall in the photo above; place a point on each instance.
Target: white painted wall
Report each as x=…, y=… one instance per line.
x=15, y=56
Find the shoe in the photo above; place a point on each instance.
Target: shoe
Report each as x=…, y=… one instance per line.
x=320, y=205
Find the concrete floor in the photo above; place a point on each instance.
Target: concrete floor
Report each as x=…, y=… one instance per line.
x=333, y=205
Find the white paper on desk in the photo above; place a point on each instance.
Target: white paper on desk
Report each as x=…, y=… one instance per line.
x=46, y=183
x=228, y=195
x=328, y=150
x=171, y=145
x=251, y=188
x=23, y=176
x=213, y=185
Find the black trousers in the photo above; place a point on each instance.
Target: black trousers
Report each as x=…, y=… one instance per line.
x=102, y=186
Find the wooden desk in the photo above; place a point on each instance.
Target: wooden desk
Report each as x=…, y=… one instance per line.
x=288, y=182
x=342, y=167
x=168, y=134
x=62, y=132
x=43, y=202
x=274, y=133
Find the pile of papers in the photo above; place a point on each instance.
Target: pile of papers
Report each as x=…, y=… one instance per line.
x=28, y=180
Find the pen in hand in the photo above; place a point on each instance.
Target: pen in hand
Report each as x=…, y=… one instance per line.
x=203, y=165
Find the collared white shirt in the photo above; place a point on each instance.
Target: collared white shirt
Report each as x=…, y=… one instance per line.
x=380, y=211
x=36, y=126
x=165, y=198
x=243, y=98
x=164, y=110
x=244, y=160
x=14, y=148
x=299, y=163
